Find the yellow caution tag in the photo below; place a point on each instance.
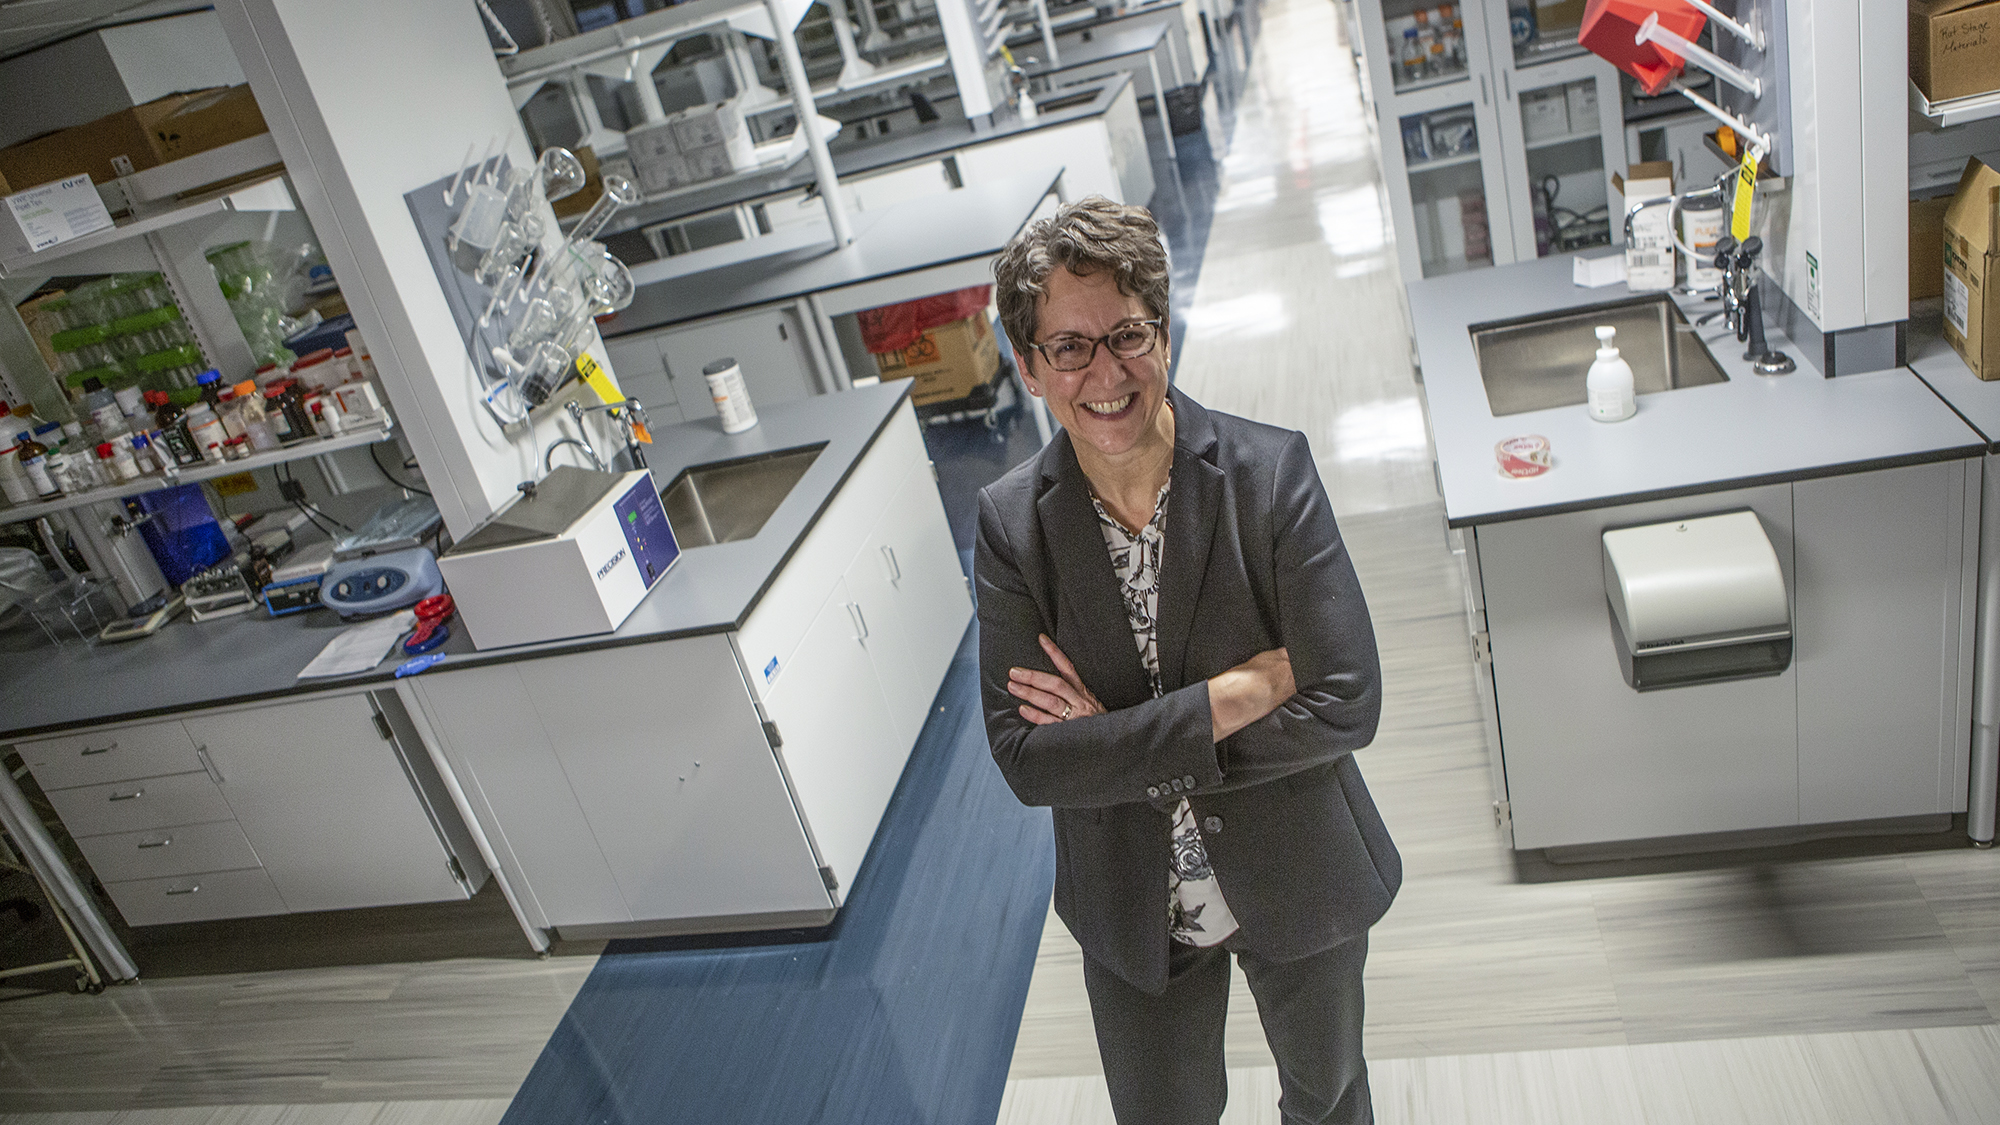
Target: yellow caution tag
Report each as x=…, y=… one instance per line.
x=607, y=391
x=1746, y=190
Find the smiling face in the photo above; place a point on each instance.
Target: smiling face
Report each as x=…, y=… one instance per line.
x=1113, y=409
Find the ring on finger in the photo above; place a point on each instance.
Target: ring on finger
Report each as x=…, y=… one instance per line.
x=1066, y=710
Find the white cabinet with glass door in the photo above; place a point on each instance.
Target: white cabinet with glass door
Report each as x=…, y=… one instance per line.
x=1434, y=104
x=1562, y=133
x=1499, y=133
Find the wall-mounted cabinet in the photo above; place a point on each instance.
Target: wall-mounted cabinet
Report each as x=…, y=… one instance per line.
x=1500, y=133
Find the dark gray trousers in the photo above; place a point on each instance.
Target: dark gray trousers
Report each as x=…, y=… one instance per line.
x=1163, y=1054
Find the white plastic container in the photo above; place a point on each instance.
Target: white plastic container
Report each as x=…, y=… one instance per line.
x=14, y=478
x=732, y=398
x=205, y=429
x=1701, y=229
x=1609, y=382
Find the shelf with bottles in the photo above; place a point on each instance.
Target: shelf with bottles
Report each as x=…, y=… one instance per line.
x=190, y=474
x=1426, y=44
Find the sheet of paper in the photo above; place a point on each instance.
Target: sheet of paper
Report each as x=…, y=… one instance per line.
x=359, y=648
x=58, y=212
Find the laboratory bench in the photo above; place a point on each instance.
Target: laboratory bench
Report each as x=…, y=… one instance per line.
x=857, y=161
x=1867, y=490
x=780, y=680
x=787, y=318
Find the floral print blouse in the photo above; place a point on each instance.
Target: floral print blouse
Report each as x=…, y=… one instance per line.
x=1196, y=912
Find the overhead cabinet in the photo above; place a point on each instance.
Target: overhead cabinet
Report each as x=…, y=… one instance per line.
x=1499, y=133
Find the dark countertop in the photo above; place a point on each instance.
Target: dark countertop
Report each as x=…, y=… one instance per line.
x=1749, y=430
x=974, y=221
x=1106, y=43
x=922, y=143
x=253, y=657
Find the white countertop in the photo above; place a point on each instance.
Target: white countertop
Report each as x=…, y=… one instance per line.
x=1751, y=429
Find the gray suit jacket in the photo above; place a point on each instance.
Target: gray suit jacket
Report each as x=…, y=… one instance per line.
x=1253, y=561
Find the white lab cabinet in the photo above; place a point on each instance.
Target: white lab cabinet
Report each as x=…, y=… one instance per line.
x=1477, y=139
x=768, y=343
x=726, y=781
x=322, y=803
x=327, y=805
x=1870, y=721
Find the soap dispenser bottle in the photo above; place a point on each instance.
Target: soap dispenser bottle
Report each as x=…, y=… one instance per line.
x=1609, y=383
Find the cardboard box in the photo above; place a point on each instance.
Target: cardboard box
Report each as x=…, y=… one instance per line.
x=1972, y=269
x=579, y=201
x=1955, y=47
x=1649, y=253
x=208, y=119
x=948, y=362
x=1927, y=247
x=135, y=139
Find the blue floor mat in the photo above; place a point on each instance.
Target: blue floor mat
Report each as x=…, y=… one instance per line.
x=904, y=1009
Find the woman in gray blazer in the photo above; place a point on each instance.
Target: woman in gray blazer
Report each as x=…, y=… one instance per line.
x=1176, y=657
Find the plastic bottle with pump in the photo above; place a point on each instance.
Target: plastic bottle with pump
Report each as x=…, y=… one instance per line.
x=1609, y=382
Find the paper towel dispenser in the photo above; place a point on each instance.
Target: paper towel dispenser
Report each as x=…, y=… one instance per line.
x=1697, y=601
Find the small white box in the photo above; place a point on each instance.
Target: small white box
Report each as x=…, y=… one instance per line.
x=1582, y=98
x=661, y=173
x=1649, y=253
x=1544, y=114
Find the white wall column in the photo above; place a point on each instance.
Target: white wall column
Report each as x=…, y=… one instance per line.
x=367, y=100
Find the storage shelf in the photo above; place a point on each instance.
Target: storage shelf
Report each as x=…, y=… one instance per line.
x=1566, y=138
x=1431, y=83
x=1955, y=111
x=1443, y=162
x=193, y=474
x=213, y=203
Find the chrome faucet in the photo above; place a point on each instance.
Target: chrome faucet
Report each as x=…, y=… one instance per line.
x=1743, y=307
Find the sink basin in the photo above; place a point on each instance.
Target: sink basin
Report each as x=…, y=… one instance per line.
x=724, y=501
x=1534, y=363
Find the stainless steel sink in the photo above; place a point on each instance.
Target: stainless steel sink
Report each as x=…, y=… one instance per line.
x=724, y=501
x=1534, y=363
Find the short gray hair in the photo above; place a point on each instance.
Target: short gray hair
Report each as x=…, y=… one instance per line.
x=1089, y=236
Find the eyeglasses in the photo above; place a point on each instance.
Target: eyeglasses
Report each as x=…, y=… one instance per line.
x=1127, y=341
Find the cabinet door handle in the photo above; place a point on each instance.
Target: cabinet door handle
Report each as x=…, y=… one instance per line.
x=860, y=622
x=889, y=557
x=88, y=751
x=144, y=844
x=1506, y=86
x=132, y=796
x=183, y=890
x=1482, y=89
x=208, y=764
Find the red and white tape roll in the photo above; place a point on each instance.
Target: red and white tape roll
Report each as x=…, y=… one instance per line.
x=1526, y=456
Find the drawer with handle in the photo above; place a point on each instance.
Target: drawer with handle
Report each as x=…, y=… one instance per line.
x=196, y=898
x=116, y=754
x=131, y=806
x=158, y=852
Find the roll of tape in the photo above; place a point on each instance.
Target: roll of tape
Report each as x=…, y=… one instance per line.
x=1526, y=456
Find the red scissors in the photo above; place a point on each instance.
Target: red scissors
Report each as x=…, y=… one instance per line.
x=432, y=613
